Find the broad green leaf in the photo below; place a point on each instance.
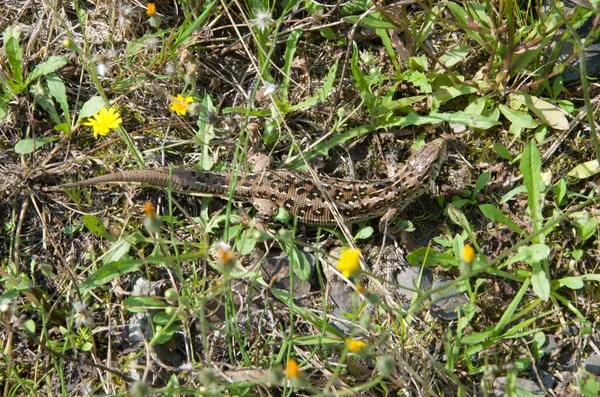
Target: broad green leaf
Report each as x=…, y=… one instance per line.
x=560, y=190
x=4, y=98
x=458, y=217
x=483, y=179
x=361, y=81
x=446, y=93
x=28, y=145
x=57, y=89
x=540, y=282
x=399, y=103
x=91, y=107
x=502, y=152
x=529, y=254
x=117, y=251
x=140, y=304
x=530, y=167
x=52, y=64
x=585, y=170
x=550, y=114
x=455, y=55
x=470, y=120
x=430, y=258
x=15, y=60
x=364, y=233
x=373, y=20
x=288, y=57
x=96, y=226
x=109, y=272
x=570, y=282
x=492, y=212
x=521, y=119
x=476, y=337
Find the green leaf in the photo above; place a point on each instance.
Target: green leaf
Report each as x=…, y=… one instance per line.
x=52, y=64
x=458, y=217
x=373, y=20
x=298, y=261
x=475, y=337
x=483, y=179
x=550, y=114
x=492, y=212
x=57, y=89
x=529, y=254
x=91, y=107
x=585, y=170
x=521, y=119
x=141, y=304
x=117, y=250
x=96, y=226
x=364, y=233
x=570, y=282
x=288, y=57
x=15, y=59
x=531, y=165
x=109, y=272
x=430, y=258
x=540, y=282
x=28, y=145
x=4, y=99
x=502, y=152
x=361, y=81
x=560, y=190
x=470, y=120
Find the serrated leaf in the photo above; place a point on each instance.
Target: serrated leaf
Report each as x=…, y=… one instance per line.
x=91, y=107
x=28, y=145
x=585, y=170
x=51, y=65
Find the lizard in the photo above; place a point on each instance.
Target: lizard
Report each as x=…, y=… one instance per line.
x=297, y=192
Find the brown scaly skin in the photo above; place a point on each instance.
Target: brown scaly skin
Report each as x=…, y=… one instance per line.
x=296, y=191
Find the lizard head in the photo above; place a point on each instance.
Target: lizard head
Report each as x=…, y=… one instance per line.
x=420, y=170
x=427, y=161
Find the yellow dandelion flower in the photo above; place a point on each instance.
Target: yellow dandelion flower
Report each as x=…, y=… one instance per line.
x=149, y=210
x=349, y=262
x=292, y=371
x=151, y=9
x=104, y=121
x=180, y=104
x=355, y=346
x=225, y=255
x=468, y=254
